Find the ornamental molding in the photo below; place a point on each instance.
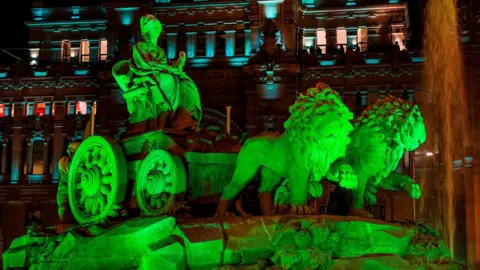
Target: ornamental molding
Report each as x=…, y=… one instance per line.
x=357, y=73
x=24, y=84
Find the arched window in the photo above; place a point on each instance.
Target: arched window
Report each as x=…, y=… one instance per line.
x=38, y=149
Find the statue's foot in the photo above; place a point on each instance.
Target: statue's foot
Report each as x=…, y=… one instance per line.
x=222, y=209
x=413, y=190
x=359, y=213
x=301, y=210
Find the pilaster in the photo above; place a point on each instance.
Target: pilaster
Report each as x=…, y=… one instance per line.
x=191, y=44
x=171, y=45
x=248, y=42
x=210, y=43
x=230, y=43
x=16, y=175
x=58, y=138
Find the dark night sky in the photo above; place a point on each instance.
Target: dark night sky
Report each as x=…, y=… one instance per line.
x=13, y=32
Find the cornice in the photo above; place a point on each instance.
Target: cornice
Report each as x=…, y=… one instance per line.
x=28, y=84
x=347, y=74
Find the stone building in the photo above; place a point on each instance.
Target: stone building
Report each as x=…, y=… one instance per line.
x=255, y=56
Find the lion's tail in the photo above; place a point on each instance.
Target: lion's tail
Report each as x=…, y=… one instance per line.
x=251, y=157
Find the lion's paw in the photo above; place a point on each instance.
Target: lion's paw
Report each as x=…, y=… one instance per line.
x=224, y=214
x=413, y=190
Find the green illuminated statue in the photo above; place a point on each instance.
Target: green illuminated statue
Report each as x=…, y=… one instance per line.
x=382, y=134
x=151, y=86
x=311, y=148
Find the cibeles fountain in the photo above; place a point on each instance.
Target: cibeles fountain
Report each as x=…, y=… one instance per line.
x=135, y=203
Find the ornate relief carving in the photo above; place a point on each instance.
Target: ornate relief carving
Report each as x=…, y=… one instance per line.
x=19, y=85
x=349, y=74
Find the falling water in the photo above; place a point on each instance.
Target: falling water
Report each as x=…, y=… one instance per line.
x=447, y=115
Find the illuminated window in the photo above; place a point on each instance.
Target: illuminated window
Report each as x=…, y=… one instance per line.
x=399, y=37
x=341, y=37
x=362, y=39
x=74, y=54
x=85, y=51
x=66, y=46
x=39, y=109
x=308, y=42
x=2, y=110
x=322, y=40
x=38, y=149
x=103, y=49
x=81, y=107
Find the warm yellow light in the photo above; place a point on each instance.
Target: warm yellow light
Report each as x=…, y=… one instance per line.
x=429, y=154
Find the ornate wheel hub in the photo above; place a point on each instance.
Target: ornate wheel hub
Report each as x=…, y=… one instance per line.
x=96, y=180
x=156, y=182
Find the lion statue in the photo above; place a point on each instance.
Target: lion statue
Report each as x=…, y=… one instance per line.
x=63, y=167
x=382, y=134
x=312, y=147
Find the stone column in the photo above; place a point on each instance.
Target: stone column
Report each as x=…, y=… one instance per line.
x=191, y=44
x=93, y=47
x=16, y=175
x=331, y=35
x=31, y=108
x=4, y=155
x=58, y=138
x=89, y=106
x=171, y=45
x=71, y=107
x=248, y=42
x=7, y=109
x=411, y=95
x=210, y=43
x=254, y=38
x=352, y=38
x=46, y=161
x=48, y=108
x=230, y=43
x=363, y=96
x=29, y=161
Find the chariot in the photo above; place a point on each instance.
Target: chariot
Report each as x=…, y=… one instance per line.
x=150, y=169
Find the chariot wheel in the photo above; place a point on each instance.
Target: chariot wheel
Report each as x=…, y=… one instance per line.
x=160, y=177
x=96, y=180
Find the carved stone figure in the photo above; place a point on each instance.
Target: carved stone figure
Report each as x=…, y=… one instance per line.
x=311, y=148
x=63, y=166
x=382, y=134
x=151, y=86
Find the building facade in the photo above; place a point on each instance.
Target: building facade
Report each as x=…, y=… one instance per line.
x=254, y=56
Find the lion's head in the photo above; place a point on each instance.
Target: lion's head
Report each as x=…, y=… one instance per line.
x=319, y=122
x=399, y=120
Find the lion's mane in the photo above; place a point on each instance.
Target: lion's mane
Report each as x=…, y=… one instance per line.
x=393, y=115
x=309, y=119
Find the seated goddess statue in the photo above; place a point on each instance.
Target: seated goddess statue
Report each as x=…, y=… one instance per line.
x=153, y=89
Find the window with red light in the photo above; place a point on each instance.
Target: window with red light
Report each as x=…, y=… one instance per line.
x=39, y=109
x=2, y=110
x=81, y=107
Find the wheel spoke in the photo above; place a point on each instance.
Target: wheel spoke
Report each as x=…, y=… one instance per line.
x=102, y=202
x=82, y=198
x=107, y=179
x=88, y=205
x=94, y=207
x=166, y=169
x=105, y=189
x=107, y=168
